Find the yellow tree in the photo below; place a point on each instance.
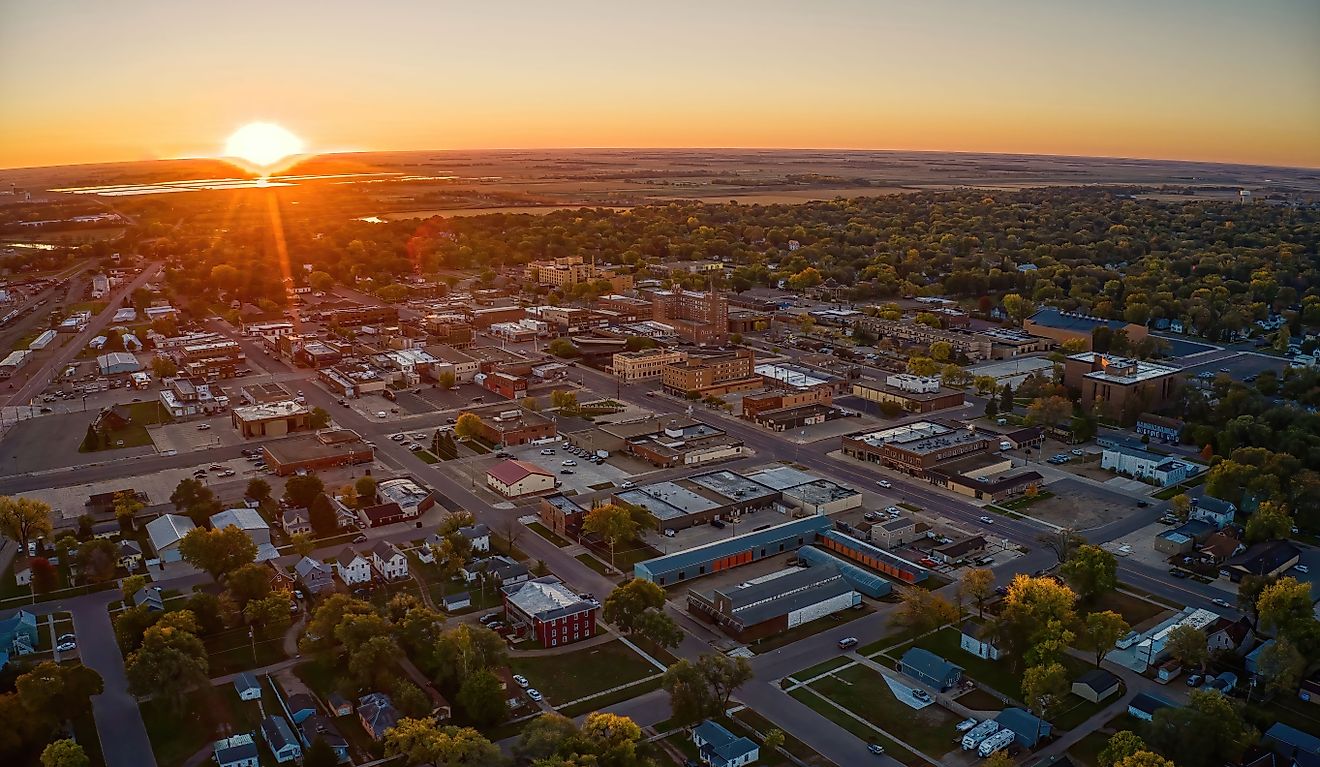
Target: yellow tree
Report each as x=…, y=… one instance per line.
x=24, y=519
x=468, y=426
x=612, y=524
x=977, y=585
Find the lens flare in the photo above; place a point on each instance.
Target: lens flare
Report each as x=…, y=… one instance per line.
x=263, y=147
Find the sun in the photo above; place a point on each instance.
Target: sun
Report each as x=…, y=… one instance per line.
x=264, y=146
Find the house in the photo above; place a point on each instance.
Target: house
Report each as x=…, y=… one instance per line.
x=247, y=686
x=130, y=555
x=1253, y=658
x=720, y=748
x=1269, y=558
x=295, y=521
x=514, y=479
x=300, y=705
x=382, y=514
x=377, y=713
x=1289, y=741
x=930, y=669
x=317, y=727
x=454, y=602
x=338, y=704
x=1028, y=729
x=499, y=568
x=236, y=751
x=353, y=568
x=279, y=737
x=1225, y=682
x=150, y=597
x=1211, y=509
x=165, y=533
x=316, y=577
x=1226, y=635
x=1219, y=548
x=1143, y=706
x=1095, y=685
x=389, y=561
x=478, y=535
x=18, y=635
x=973, y=640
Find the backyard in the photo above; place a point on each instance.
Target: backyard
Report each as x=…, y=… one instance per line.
x=207, y=714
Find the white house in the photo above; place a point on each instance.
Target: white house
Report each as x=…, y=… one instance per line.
x=1158, y=469
x=972, y=639
x=353, y=568
x=1211, y=509
x=478, y=535
x=284, y=745
x=247, y=686
x=389, y=561
x=165, y=533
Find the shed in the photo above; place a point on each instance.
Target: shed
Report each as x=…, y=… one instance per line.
x=1095, y=685
x=460, y=601
x=1028, y=729
x=1143, y=706
x=247, y=686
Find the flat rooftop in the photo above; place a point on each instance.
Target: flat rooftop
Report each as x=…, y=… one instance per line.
x=920, y=437
x=781, y=477
x=519, y=417
x=668, y=500
x=269, y=410
x=308, y=447
x=919, y=396
x=820, y=491
x=1122, y=370
x=794, y=375
x=267, y=392
x=733, y=486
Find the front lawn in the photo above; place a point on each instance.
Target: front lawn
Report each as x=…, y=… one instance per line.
x=548, y=534
x=593, y=563
x=999, y=675
x=1075, y=710
x=821, y=668
x=817, y=703
x=1134, y=609
x=865, y=692
x=1087, y=750
x=229, y=652
x=566, y=677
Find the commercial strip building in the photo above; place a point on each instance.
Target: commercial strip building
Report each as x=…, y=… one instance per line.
x=775, y=603
x=325, y=449
x=351, y=379
x=667, y=442
x=916, y=447
x=712, y=375
x=1148, y=648
x=273, y=419
x=915, y=394
x=1123, y=388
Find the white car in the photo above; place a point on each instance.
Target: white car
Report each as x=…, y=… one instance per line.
x=397, y=437
x=66, y=647
x=521, y=681
x=203, y=426
x=381, y=414
x=569, y=462
x=547, y=451
x=1302, y=568
x=534, y=694
x=892, y=511
x=884, y=483
x=627, y=483
x=987, y=521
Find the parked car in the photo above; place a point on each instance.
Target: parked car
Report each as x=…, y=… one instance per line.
x=547, y=451
x=966, y=725
x=203, y=426
x=717, y=523
x=1078, y=451
x=397, y=437
x=627, y=483
x=847, y=643
x=360, y=539
x=569, y=462
x=521, y=681
x=669, y=533
x=488, y=618
x=534, y=694
x=921, y=695
x=565, y=471
x=1194, y=680
x=875, y=748
x=66, y=646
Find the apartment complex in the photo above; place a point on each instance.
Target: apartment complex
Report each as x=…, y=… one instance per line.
x=646, y=364
x=712, y=375
x=699, y=317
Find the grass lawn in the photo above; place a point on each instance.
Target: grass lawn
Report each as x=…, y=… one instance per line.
x=815, y=702
x=1290, y=711
x=794, y=746
x=865, y=693
x=901, y=636
x=821, y=668
x=1074, y=710
x=567, y=677
x=206, y=715
x=626, y=557
x=810, y=629
x=980, y=700
x=427, y=456
x=1087, y=750
x=317, y=674
x=84, y=732
x=996, y=674
x=231, y=651
x=1026, y=500
x=605, y=701
x=1134, y=609
x=547, y=534
x=133, y=435
x=593, y=563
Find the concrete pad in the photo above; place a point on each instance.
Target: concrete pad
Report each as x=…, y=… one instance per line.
x=904, y=693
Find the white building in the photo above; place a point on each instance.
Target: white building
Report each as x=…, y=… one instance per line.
x=514, y=479
x=1139, y=464
x=412, y=498
x=117, y=363
x=100, y=286
x=914, y=384
x=42, y=341
x=14, y=362
x=353, y=568
x=389, y=561
x=165, y=533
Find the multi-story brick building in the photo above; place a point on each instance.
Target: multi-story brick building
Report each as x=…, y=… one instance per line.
x=271, y=419
x=699, y=317
x=712, y=375
x=549, y=611
x=973, y=345
x=1124, y=388
x=561, y=514
x=915, y=394
x=572, y=270
x=644, y=365
x=358, y=316
x=916, y=447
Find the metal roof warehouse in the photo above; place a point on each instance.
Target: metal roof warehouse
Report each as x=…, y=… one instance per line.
x=731, y=552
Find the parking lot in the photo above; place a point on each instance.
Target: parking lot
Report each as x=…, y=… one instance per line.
x=1081, y=505
x=1240, y=366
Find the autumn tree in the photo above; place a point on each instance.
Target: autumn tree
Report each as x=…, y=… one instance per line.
x=1048, y=411
x=64, y=753
x=1044, y=686
x=1035, y=619
x=613, y=524
x=126, y=507
x=468, y=426
x=446, y=380
x=922, y=610
x=1187, y=645
x=258, y=489
x=1280, y=666
x=24, y=519
x=97, y=560
x=1285, y=608
x=422, y=741
x=1099, y=631
x=1091, y=571
x=977, y=585
x=1120, y=746
x=1270, y=522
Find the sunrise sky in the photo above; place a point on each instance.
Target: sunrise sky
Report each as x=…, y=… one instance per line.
x=91, y=81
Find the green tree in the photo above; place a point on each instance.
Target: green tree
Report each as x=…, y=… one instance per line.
x=467, y=649
x=1285, y=608
x=1091, y=571
x=188, y=492
x=1006, y=399
x=544, y=736
x=366, y=488
x=422, y=741
x=258, y=489
x=482, y=698
x=170, y=664
x=300, y=491
x=1121, y=745
x=1048, y=411
x=1206, y=732
x=97, y=560
x=268, y=616
x=64, y=753
x=723, y=675
x=468, y=426
x=207, y=609
x=126, y=506
x=248, y=582
x=446, y=380
x=1188, y=646
x=613, y=524
x=627, y=604
x=164, y=367
x=52, y=693
x=322, y=517
x=1044, y=686
x=132, y=585
x=1181, y=504
x=319, y=418
x=1099, y=631
x=320, y=281
x=977, y=585
x=217, y=551
x=690, y=697
x=562, y=348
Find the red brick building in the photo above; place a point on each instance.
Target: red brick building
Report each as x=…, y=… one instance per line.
x=548, y=610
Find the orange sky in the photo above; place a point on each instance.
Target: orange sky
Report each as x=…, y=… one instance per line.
x=86, y=81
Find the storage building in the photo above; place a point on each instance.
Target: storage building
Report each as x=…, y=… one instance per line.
x=731, y=552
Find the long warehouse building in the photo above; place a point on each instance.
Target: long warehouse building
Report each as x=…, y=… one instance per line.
x=732, y=552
